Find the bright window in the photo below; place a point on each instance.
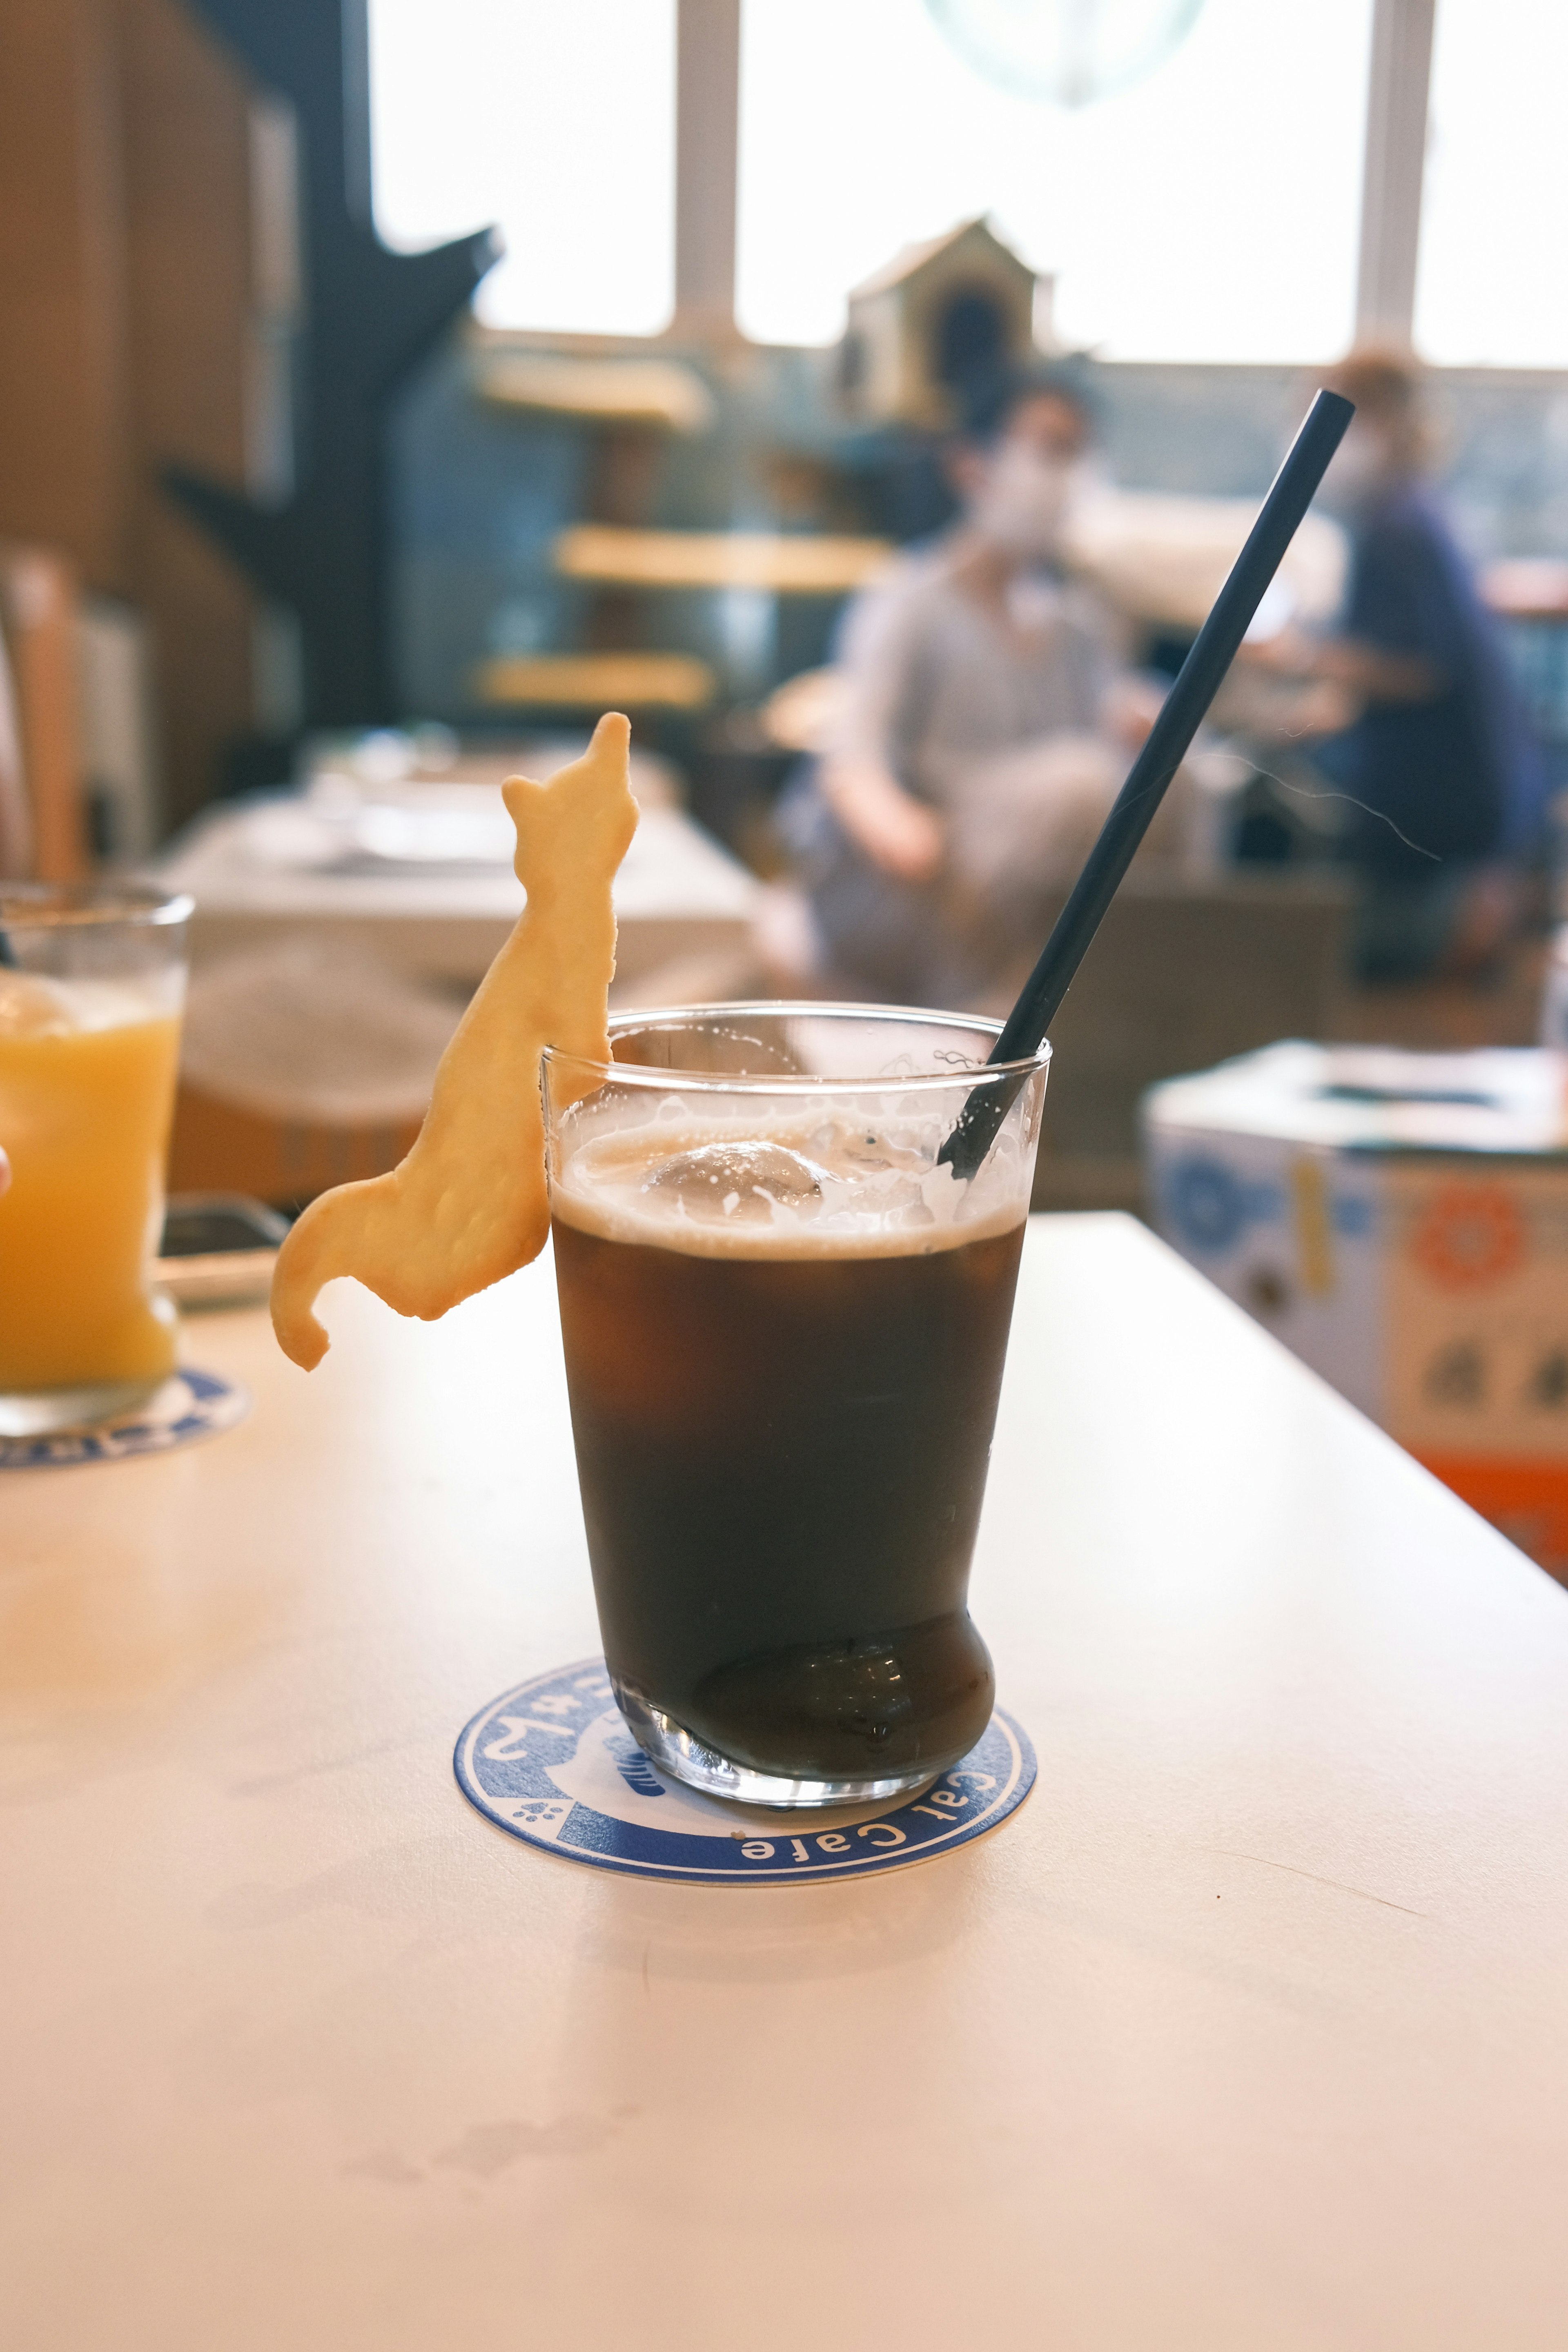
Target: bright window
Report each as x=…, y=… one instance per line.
x=1495, y=206
x=555, y=120
x=1210, y=213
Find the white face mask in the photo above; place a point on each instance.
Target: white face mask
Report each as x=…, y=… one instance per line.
x=1022, y=502
x=1359, y=468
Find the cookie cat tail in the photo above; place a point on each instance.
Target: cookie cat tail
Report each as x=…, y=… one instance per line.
x=306, y=1260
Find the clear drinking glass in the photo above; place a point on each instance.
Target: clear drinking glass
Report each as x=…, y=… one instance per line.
x=93, y=982
x=784, y=1325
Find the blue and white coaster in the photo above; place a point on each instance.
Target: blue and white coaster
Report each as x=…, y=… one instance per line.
x=188, y=1406
x=553, y=1763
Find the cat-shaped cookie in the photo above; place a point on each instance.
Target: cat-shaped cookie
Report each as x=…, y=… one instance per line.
x=468, y=1203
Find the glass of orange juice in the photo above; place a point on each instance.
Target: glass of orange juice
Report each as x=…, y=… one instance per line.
x=92, y=980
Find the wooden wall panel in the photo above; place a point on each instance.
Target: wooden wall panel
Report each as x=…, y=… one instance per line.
x=124, y=332
x=64, y=448
x=185, y=116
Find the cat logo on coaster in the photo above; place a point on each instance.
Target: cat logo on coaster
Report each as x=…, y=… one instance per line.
x=190, y=1405
x=554, y=1763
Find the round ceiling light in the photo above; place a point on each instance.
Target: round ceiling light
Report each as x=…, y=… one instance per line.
x=1069, y=51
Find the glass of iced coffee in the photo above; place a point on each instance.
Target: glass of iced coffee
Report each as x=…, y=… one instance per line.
x=784, y=1325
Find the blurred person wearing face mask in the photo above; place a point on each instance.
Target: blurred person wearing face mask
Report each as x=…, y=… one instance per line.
x=1412, y=704
x=982, y=732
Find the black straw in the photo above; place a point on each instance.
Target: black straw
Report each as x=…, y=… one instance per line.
x=1166, y=746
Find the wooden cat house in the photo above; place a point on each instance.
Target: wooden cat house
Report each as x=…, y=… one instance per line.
x=939, y=313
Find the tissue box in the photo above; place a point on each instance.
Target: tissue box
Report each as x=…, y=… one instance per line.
x=1400, y=1221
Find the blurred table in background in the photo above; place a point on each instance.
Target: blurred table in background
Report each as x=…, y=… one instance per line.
x=336, y=898
x=1248, y=2031
x=677, y=896
x=1527, y=588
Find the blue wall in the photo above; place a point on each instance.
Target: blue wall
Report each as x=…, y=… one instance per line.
x=483, y=491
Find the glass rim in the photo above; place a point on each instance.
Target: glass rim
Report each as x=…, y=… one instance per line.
x=62, y=906
x=676, y=1016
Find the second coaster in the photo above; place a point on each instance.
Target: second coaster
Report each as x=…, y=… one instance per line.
x=552, y=1762
x=188, y=1406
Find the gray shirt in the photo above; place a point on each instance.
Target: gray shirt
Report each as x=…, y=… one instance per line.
x=934, y=680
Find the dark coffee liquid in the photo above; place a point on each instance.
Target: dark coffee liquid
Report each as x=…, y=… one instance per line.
x=782, y=1462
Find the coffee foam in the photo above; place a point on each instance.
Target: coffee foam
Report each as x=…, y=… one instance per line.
x=862, y=1188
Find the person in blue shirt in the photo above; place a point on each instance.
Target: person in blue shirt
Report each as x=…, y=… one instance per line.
x=1420, y=724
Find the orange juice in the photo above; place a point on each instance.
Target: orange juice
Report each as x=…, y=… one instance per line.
x=87, y=1093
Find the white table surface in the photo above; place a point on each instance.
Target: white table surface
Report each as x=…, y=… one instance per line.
x=1250, y=2029
x=679, y=895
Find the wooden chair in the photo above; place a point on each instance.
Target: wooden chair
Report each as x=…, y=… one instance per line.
x=42, y=828
x=1182, y=974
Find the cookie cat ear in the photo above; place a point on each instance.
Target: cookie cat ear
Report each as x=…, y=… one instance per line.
x=614, y=728
x=522, y=797
x=525, y=804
